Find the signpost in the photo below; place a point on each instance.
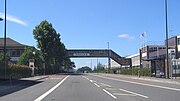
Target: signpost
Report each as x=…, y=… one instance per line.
x=31, y=65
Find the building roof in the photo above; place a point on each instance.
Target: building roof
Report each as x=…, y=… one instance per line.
x=134, y=55
x=10, y=43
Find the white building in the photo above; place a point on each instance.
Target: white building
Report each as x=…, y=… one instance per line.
x=114, y=65
x=135, y=59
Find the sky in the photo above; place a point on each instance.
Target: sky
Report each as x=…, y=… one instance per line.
x=91, y=24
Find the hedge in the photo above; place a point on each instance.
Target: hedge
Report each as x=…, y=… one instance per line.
x=15, y=71
x=134, y=71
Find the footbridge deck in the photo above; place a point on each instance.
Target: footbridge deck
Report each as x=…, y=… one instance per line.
x=79, y=53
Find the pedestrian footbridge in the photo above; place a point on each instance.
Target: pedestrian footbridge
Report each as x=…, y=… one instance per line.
x=79, y=53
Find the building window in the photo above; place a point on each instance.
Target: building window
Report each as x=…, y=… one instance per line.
x=18, y=53
x=178, y=41
x=13, y=53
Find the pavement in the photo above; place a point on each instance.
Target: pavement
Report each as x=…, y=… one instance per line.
x=35, y=78
x=11, y=86
x=28, y=89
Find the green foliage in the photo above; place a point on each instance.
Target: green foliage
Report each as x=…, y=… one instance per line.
x=30, y=53
x=2, y=57
x=49, y=43
x=16, y=71
x=68, y=64
x=134, y=71
x=84, y=69
x=100, y=68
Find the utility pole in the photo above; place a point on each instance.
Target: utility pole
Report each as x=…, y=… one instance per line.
x=109, y=60
x=5, y=40
x=167, y=57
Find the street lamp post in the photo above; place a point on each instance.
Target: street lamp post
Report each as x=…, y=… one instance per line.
x=5, y=38
x=34, y=53
x=109, y=65
x=167, y=57
x=1, y=19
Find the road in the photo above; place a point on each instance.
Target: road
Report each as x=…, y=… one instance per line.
x=91, y=87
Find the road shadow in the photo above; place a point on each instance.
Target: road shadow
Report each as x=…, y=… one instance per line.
x=7, y=87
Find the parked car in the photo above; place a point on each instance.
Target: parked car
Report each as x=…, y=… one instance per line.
x=158, y=74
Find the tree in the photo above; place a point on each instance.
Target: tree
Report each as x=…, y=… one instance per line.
x=49, y=43
x=84, y=69
x=30, y=53
x=2, y=57
x=99, y=68
x=68, y=64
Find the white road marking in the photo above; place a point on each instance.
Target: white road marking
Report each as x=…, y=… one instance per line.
x=111, y=88
x=134, y=93
x=124, y=94
x=55, y=78
x=105, y=84
x=85, y=77
x=51, y=90
x=164, y=87
x=110, y=94
x=97, y=85
x=91, y=80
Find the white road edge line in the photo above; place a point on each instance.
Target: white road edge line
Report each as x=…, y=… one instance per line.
x=134, y=93
x=110, y=94
x=97, y=85
x=91, y=80
x=145, y=84
x=51, y=90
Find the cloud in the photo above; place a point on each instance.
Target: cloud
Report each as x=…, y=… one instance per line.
x=125, y=36
x=13, y=19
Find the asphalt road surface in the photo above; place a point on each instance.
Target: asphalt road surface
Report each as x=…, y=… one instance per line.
x=90, y=87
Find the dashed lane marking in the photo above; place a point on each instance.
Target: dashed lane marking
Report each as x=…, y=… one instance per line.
x=110, y=94
x=97, y=85
x=91, y=80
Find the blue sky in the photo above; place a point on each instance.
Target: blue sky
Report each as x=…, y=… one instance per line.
x=90, y=24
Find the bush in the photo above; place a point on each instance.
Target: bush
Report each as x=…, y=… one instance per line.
x=134, y=71
x=16, y=71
